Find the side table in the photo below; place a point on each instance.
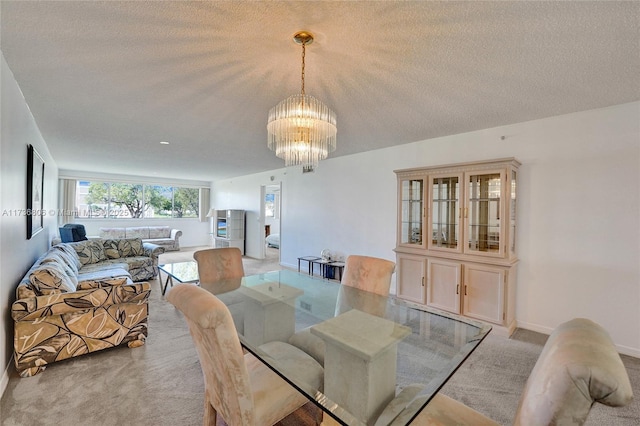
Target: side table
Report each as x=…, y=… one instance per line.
x=333, y=270
x=309, y=260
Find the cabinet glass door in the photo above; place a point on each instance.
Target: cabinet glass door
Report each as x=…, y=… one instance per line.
x=483, y=212
x=445, y=212
x=411, y=204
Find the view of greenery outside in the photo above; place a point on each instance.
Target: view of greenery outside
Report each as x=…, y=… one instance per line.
x=269, y=205
x=124, y=200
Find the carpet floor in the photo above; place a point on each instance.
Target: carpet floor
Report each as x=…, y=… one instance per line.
x=161, y=382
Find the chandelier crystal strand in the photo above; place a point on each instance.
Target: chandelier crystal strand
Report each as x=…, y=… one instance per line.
x=301, y=129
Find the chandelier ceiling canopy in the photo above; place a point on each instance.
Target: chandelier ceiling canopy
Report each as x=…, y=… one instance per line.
x=301, y=129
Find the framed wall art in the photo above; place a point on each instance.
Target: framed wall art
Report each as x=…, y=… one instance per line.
x=35, y=187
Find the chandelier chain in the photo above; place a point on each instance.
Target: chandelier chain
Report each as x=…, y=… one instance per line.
x=302, y=74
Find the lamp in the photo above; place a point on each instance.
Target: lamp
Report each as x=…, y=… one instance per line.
x=301, y=129
x=211, y=213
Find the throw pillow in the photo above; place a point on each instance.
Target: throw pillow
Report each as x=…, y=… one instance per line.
x=50, y=278
x=111, y=249
x=91, y=251
x=131, y=246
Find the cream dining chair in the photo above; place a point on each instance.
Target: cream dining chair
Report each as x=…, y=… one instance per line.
x=215, y=265
x=219, y=263
x=239, y=387
x=370, y=274
x=579, y=365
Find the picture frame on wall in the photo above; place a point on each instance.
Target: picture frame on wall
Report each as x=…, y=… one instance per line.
x=35, y=188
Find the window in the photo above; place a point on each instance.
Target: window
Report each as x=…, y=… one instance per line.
x=115, y=200
x=269, y=207
x=272, y=205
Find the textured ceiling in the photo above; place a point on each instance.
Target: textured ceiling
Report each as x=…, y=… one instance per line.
x=107, y=81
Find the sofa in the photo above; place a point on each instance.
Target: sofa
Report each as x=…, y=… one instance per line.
x=160, y=235
x=82, y=297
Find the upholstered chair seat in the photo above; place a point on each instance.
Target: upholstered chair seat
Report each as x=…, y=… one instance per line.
x=239, y=387
x=370, y=274
x=578, y=366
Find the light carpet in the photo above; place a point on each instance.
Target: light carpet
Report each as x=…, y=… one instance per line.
x=161, y=382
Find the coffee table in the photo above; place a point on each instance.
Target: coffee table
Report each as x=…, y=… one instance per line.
x=183, y=272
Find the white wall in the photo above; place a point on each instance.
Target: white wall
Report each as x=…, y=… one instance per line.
x=578, y=211
x=18, y=130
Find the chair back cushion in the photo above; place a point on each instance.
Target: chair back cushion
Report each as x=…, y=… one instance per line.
x=219, y=264
x=78, y=233
x=66, y=235
x=579, y=365
x=227, y=385
x=368, y=273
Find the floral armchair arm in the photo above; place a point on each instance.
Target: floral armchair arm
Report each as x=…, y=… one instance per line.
x=56, y=304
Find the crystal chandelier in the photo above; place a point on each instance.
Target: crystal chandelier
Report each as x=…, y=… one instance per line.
x=301, y=129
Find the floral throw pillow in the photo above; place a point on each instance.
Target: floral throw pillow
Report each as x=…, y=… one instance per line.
x=130, y=247
x=90, y=251
x=111, y=249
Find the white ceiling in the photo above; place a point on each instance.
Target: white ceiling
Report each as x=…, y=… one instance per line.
x=107, y=81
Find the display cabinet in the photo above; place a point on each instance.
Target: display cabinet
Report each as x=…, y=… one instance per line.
x=456, y=245
x=229, y=229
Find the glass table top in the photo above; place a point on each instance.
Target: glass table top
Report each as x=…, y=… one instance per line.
x=184, y=272
x=412, y=351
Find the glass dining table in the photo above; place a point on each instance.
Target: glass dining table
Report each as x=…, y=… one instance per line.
x=384, y=358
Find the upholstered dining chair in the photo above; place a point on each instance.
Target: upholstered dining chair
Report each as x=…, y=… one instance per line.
x=238, y=386
x=219, y=263
x=579, y=365
x=370, y=274
x=214, y=267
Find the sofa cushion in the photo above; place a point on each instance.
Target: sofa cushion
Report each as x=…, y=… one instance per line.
x=103, y=282
x=137, y=232
x=90, y=251
x=50, y=278
x=106, y=269
x=138, y=262
x=125, y=247
x=112, y=233
x=159, y=232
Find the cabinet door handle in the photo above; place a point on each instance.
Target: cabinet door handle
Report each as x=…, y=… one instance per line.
x=422, y=281
x=457, y=288
x=465, y=290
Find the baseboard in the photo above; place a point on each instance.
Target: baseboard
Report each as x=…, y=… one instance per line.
x=625, y=350
x=293, y=267
x=534, y=327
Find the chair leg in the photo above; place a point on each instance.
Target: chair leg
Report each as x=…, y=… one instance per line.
x=210, y=415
